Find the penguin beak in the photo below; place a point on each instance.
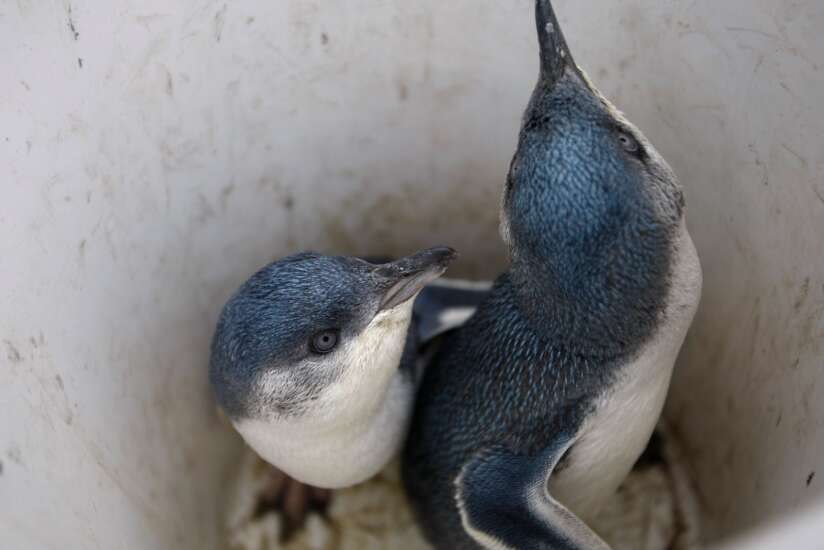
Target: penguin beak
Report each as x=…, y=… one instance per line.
x=555, y=54
x=404, y=278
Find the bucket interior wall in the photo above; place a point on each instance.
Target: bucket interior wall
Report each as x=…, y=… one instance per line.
x=154, y=154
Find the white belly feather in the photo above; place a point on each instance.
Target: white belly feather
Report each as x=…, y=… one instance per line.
x=339, y=454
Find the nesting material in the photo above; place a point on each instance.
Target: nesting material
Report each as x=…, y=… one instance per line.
x=653, y=510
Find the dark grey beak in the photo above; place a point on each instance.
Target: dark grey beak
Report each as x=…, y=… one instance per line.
x=404, y=278
x=555, y=54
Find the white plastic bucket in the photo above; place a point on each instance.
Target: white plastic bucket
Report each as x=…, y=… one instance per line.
x=154, y=153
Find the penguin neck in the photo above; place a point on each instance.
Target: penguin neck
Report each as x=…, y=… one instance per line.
x=604, y=303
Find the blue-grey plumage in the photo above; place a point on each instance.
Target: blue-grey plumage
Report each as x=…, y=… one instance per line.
x=315, y=363
x=533, y=412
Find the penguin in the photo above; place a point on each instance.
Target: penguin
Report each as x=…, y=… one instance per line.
x=315, y=361
x=533, y=412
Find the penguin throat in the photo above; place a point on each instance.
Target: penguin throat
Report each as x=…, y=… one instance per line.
x=605, y=305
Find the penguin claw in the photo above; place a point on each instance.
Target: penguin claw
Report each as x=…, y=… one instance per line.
x=292, y=500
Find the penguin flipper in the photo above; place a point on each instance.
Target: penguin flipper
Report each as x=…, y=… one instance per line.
x=504, y=503
x=445, y=304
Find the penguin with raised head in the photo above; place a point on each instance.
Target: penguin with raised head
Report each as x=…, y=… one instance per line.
x=316, y=359
x=534, y=411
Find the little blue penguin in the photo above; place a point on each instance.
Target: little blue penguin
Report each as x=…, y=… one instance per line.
x=314, y=362
x=533, y=412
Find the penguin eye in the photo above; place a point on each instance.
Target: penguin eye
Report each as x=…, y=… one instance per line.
x=324, y=341
x=629, y=143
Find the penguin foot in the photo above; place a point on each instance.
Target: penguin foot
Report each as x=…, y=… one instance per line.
x=290, y=499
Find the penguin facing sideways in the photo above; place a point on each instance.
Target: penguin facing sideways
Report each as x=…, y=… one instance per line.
x=316, y=359
x=533, y=412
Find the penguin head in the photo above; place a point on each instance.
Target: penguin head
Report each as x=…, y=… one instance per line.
x=309, y=336
x=590, y=207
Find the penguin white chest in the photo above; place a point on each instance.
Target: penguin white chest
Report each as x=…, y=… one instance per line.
x=614, y=435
